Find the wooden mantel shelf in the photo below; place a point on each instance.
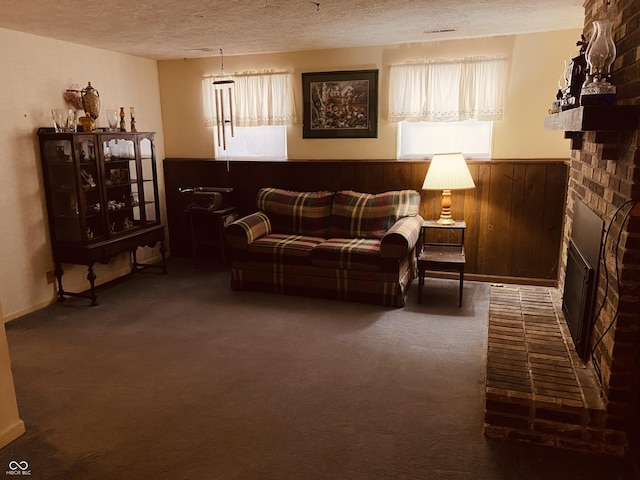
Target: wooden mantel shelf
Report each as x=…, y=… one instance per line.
x=599, y=118
x=608, y=121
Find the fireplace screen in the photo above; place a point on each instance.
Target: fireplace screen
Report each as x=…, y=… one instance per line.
x=583, y=258
x=577, y=301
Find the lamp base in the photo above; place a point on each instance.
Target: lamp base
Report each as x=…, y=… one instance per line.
x=446, y=221
x=445, y=209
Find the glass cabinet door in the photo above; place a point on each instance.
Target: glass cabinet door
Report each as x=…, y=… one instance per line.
x=130, y=185
x=90, y=202
x=61, y=183
x=148, y=194
x=120, y=179
x=71, y=177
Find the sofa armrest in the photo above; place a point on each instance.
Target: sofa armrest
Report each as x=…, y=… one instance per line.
x=401, y=237
x=247, y=229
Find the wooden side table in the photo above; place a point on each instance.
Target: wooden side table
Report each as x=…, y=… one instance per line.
x=448, y=257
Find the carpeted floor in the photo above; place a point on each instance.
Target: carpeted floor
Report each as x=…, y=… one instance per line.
x=178, y=377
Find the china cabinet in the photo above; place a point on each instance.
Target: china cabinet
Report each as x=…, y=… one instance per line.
x=102, y=199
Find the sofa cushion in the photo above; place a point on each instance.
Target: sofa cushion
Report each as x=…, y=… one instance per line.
x=297, y=213
x=348, y=253
x=363, y=215
x=280, y=248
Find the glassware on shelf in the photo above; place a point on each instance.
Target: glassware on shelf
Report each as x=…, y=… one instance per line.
x=113, y=119
x=64, y=120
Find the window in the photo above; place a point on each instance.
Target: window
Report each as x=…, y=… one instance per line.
x=264, y=142
x=446, y=105
x=418, y=140
x=262, y=105
x=446, y=91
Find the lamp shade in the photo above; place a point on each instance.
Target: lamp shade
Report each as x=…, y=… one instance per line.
x=448, y=171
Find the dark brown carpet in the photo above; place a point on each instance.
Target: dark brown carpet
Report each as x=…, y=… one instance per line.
x=177, y=377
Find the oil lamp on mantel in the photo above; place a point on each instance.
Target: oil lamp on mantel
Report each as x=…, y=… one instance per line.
x=91, y=106
x=600, y=54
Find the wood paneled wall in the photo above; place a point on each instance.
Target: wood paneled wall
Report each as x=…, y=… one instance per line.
x=514, y=215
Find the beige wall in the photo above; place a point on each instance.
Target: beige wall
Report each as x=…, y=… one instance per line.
x=535, y=63
x=35, y=73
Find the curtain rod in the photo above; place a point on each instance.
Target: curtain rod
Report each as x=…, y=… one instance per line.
x=449, y=61
x=256, y=73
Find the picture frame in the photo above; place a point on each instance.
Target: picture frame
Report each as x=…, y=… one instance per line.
x=340, y=104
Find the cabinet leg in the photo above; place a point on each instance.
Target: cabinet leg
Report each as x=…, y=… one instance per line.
x=91, y=276
x=58, y=273
x=134, y=260
x=138, y=267
x=461, y=285
x=163, y=252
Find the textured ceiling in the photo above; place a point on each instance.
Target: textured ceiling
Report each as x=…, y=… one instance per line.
x=167, y=29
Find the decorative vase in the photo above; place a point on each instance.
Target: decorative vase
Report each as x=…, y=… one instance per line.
x=600, y=55
x=132, y=111
x=91, y=101
x=123, y=125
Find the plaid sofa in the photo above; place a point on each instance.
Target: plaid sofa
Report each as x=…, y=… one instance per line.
x=342, y=245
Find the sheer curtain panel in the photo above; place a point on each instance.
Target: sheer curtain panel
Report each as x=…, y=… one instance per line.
x=260, y=98
x=447, y=91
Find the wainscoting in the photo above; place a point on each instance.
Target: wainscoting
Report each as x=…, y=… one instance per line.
x=514, y=215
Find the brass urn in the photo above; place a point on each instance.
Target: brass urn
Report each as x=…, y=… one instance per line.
x=91, y=101
x=91, y=106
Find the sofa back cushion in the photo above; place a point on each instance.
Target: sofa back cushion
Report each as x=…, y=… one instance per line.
x=297, y=213
x=363, y=215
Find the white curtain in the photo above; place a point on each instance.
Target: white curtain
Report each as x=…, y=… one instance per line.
x=446, y=91
x=259, y=98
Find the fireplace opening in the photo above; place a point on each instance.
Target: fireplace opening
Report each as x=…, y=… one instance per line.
x=583, y=259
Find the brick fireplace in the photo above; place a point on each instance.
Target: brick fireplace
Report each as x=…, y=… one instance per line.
x=605, y=177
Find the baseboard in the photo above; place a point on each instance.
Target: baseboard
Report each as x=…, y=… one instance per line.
x=537, y=282
x=475, y=277
x=11, y=433
x=28, y=310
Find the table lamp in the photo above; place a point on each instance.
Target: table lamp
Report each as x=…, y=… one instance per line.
x=448, y=171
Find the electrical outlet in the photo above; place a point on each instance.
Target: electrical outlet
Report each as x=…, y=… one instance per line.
x=50, y=277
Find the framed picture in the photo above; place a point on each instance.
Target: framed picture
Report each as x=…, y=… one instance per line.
x=340, y=104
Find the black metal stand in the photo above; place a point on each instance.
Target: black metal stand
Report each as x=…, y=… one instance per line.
x=207, y=228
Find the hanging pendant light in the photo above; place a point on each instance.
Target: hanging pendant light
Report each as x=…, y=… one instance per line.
x=223, y=90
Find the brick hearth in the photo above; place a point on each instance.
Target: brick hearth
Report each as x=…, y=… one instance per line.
x=537, y=389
